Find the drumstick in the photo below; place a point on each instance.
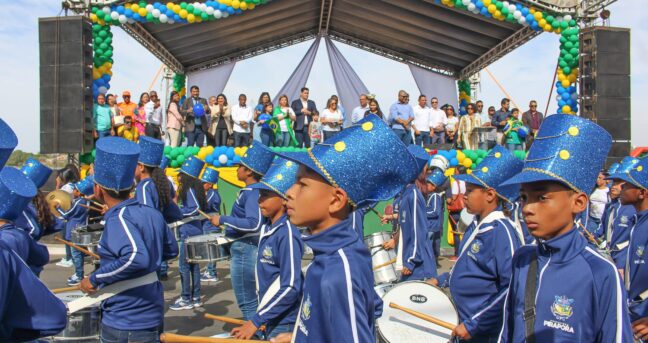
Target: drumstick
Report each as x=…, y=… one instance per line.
x=425, y=317
x=204, y=214
x=229, y=320
x=65, y=289
x=588, y=234
x=72, y=245
x=384, y=264
x=173, y=338
x=92, y=208
x=95, y=202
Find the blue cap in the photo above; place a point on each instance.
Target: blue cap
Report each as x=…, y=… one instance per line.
x=16, y=190
x=192, y=166
x=280, y=177
x=86, y=186
x=8, y=142
x=613, y=168
x=36, y=171
x=210, y=175
x=567, y=149
x=625, y=166
x=115, y=163
x=437, y=177
x=421, y=156
x=496, y=168
x=258, y=158
x=151, y=152
x=164, y=163
x=637, y=175
x=366, y=160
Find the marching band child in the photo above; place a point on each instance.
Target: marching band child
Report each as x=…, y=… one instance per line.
x=82, y=189
x=279, y=256
x=563, y=290
x=36, y=219
x=480, y=278
x=434, y=210
x=244, y=223
x=75, y=217
x=365, y=162
x=209, y=179
x=136, y=239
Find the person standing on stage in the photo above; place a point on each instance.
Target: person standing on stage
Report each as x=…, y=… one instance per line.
x=304, y=109
x=401, y=116
x=153, y=116
x=135, y=241
x=244, y=224
x=279, y=257
x=438, y=121
x=242, y=116
x=501, y=117
x=127, y=108
x=175, y=122
x=221, y=120
x=195, y=126
x=422, y=121
x=359, y=112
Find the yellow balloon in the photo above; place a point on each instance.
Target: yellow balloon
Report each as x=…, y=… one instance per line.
x=487, y=2
x=566, y=109
x=109, y=72
x=548, y=28
x=561, y=77
x=93, y=17
x=565, y=83
x=467, y=163
x=572, y=78
x=202, y=155
x=191, y=18
x=227, y=2
x=244, y=5
x=95, y=74
x=492, y=8
x=177, y=9
x=142, y=12
x=135, y=8
x=532, y=10
x=183, y=14
x=251, y=6
x=538, y=16
x=498, y=15
x=542, y=23
x=170, y=5
x=460, y=156
x=236, y=4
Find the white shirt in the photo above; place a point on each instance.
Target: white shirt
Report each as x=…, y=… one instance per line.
x=304, y=106
x=331, y=116
x=451, y=124
x=242, y=114
x=287, y=111
x=598, y=200
x=421, y=118
x=358, y=113
x=153, y=115
x=437, y=117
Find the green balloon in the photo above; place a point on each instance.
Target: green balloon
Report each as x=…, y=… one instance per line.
x=149, y=17
x=183, y=5
x=567, y=70
x=173, y=154
x=562, y=63
x=142, y=3
x=197, y=11
x=572, y=23
x=174, y=164
x=574, y=38
x=204, y=16
x=564, y=25
x=573, y=51
x=498, y=5
x=548, y=18
x=167, y=150
x=505, y=10
x=108, y=53
x=180, y=159
x=555, y=24
x=103, y=34
x=563, y=40
x=190, y=8
x=568, y=45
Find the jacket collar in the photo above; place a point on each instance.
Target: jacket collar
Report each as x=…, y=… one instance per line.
x=641, y=216
x=491, y=217
x=564, y=247
x=270, y=229
x=119, y=206
x=332, y=239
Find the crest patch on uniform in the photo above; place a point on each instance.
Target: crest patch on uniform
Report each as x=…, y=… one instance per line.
x=624, y=219
x=306, y=309
x=267, y=252
x=562, y=307
x=476, y=246
x=640, y=250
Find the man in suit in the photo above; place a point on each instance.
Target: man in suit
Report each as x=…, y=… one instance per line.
x=195, y=126
x=532, y=119
x=303, y=109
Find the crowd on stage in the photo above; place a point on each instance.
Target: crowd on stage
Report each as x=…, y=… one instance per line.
x=530, y=266
x=298, y=122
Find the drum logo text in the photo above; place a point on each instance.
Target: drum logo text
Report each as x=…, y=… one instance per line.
x=418, y=298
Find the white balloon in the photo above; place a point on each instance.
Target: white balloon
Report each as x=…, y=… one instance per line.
x=209, y=10
x=103, y=90
x=471, y=7
x=131, y=21
x=512, y=8
x=222, y=159
x=466, y=2
x=476, y=10
x=517, y=14
x=574, y=96
x=522, y=20
x=171, y=21
x=149, y=8
x=123, y=19
x=114, y=15
x=568, y=17
x=218, y=14
x=163, y=18
x=156, y=13
x=106, y=9
x=225, y=14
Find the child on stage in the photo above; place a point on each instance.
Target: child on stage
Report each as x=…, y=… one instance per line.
x=562, y=289
x=209, y=179
x=365, y=162
x=480, y=278
x=279, y=257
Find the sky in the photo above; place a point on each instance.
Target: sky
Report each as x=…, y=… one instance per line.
x=526, y=73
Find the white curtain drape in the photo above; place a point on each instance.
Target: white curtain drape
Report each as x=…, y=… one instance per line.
x=210, y=81
x=432, y=84
x=299, y=76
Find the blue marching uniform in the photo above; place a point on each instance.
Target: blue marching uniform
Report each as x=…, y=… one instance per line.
x=417, y=252
x=28, y=310
x=279, y=257
x=76, y=216
x=245, y=217
x=34, y=254
x=190, y=209
x=213, y=206
x=480, y=278
x=27, y=221
x=609, y=213
x=135, y=241
x=636, y=271
x=146, y=193
x=434, y=213
x=341, y=270
x=579, y=297
x=621, y=225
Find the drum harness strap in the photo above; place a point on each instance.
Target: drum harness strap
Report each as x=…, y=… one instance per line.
x=530, y=290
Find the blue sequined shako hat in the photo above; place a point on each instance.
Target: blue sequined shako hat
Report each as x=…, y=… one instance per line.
x=497, y=167
x=421, y=156
x=366, y=160
x=258, y=158
x=437, y=177
x=280, y=177
x=86, y=186
x=567, y=149
x=16, y=191
x=210, y=175
x=637, y=174
x=115, y=163
x=8, y=142
x=164, y=163
x=192, y=166
x=625, y=166
x=151, y=152
x=36, y=171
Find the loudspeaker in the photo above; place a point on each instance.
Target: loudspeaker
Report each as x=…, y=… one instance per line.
x=65, y=84
x=605, y=84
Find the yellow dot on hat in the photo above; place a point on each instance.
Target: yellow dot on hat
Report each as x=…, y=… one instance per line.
x=498, y=154
x=573, y=131
x=289, y=164
x=564, y=154
x=485, y=170
x=245, y=155
x=340, y=146
x=367, y=126
x=640, y=168
x=635, y=160
x=279, y=177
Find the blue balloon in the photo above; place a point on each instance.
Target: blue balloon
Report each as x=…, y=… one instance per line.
x=136, y=17
x=229, y=163
x=534, y=26
x=523, y=10
x=529, y=18
x=236, y=159
x=209, y=159
x=222, y=7
x=129, y=13
x=198, y=110
x=454, y=162
x=566, y=97
x=452, y=153
x=483, y=11
x=479, y=4
x=162, y=8
x=156, y=4
x=230, y=153
x=120, y=9
x=177, y=18
x=572, y=89
x=231, y=10
x=561, y=103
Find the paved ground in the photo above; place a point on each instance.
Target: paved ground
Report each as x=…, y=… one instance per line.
x=218, y=298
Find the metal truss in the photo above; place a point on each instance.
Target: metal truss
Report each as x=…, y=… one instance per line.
x=325, y=16
x=509, y=44
x=140, y=34
x=254, y=51
x=563, y=6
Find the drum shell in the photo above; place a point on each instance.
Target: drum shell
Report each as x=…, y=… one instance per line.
x=205, y=248
x=83, y=325
x=81, y=237
x=379, y=256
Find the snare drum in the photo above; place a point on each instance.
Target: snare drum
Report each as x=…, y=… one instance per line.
x=381, y=290
x=379, y=256
x=82, y=237
x=206, y=248
x=83, y=325
x=398, y=326
x=465, y=219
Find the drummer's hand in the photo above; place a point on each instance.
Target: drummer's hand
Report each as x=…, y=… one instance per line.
x=433, y=282
x=86, y=286
x=461, y=332
x=245, y=331
x=385, y=219
x=215, y=220
x=282, y=338
x=389, y=245
x=406, y=271
x=640, y=328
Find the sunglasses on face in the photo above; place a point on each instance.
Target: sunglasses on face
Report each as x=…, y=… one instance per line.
x=533, y=106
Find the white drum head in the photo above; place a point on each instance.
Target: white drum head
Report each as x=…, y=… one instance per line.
x=465, y=219
x=398, y=326
x=210, y=237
